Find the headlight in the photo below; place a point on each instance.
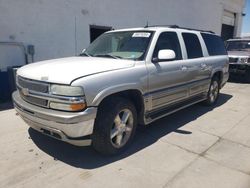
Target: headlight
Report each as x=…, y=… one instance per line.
x=72, y=98
x=66, y=90
x=244, y=60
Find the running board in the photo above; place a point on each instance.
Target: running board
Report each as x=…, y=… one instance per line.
x=152, y=116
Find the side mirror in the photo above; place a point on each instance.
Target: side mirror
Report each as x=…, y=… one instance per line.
x=165, y=55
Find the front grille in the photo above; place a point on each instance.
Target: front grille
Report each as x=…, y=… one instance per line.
x=33, y=85
x=238, y=66
x=233, y=66
x=233, y=60
x=29, y=86
x=34, y=100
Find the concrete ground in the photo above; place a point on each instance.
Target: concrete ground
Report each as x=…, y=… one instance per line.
x=199, y=147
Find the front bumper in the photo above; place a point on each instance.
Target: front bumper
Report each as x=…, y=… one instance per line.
x=71, y=127
x=238, y=68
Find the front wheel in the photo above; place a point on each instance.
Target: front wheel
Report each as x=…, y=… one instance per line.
x=115, y=126
x=213, y=93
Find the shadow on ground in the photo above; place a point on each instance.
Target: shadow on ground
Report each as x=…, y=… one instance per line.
x=87, y=158
x=6, y=106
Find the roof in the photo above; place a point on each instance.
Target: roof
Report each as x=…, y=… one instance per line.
x=240, y=39
x=162, y=27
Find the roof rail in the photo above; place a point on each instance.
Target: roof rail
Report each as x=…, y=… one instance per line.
x=177, y=27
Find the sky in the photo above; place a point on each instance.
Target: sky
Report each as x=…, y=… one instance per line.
x=246, y=19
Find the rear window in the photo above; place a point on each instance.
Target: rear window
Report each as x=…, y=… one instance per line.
x=215, y=45
x=193, y=45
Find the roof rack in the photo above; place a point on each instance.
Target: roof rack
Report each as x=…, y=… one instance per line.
x=177, y=27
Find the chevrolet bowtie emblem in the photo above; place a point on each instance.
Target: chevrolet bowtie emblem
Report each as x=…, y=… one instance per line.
x=25, y=91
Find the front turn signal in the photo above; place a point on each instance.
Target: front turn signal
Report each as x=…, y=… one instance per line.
x=68, y=107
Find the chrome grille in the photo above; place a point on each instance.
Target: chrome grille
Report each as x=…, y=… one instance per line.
x=34, y=100
x=233, y=60
x=32, y=85
x=26, y=86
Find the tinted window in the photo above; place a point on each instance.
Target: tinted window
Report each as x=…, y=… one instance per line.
x=170, y=41
x=240, y=45
x=193, y=45
x=215, y=45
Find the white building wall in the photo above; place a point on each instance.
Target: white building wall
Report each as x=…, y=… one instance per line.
x=59, y=28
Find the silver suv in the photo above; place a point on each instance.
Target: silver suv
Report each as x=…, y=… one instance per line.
x=124, y=78
x=239, y=58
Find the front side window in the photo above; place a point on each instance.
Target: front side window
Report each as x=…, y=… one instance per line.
x=168, y=41
x=193, y=45
x=124, y=45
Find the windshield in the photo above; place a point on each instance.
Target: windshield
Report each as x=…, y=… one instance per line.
x=238, y=46
x=123, y=45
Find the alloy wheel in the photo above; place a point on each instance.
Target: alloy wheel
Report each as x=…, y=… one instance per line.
x=122, y=128
x=214, y=91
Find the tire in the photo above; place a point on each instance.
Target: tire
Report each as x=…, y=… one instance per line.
x=213, y=93
x=247, y=76
x=115, y=126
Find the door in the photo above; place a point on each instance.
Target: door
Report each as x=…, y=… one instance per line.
x=195, y=59
x=167, y=79
x=228, y=25
x=227, y=32
x=96, y=31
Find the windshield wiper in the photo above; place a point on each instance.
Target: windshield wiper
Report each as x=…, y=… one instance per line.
x=85, y=54
x=108, y=55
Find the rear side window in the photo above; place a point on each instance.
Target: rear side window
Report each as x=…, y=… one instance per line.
x=193, y=45
x=168, y=40
x=215, y=45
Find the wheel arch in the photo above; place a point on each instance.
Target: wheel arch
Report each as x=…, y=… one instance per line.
x=218, y=74
x=133, y=94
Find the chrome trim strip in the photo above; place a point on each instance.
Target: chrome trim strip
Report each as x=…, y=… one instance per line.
x=176, y=86
x=33, y=81
x=149, y=120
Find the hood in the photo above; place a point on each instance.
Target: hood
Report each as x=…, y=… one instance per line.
x=65, y=70
x=236, y=54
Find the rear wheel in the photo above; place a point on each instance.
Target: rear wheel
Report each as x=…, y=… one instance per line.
x=213, y=93
x=247, y=75
x=115, y=126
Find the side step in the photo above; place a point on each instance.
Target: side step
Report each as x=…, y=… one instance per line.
x=151, y=116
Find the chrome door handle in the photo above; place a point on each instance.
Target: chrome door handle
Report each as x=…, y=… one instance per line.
x=184, y=68
x=203, y=66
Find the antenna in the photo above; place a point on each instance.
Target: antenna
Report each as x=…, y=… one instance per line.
x=146, y=24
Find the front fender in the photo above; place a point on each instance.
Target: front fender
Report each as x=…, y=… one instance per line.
x=114, y=89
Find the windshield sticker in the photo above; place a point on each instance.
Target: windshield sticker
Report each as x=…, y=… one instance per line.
x=145, y=35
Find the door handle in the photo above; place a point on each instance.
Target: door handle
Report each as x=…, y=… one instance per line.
x=203, y=66
x=184, y=68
